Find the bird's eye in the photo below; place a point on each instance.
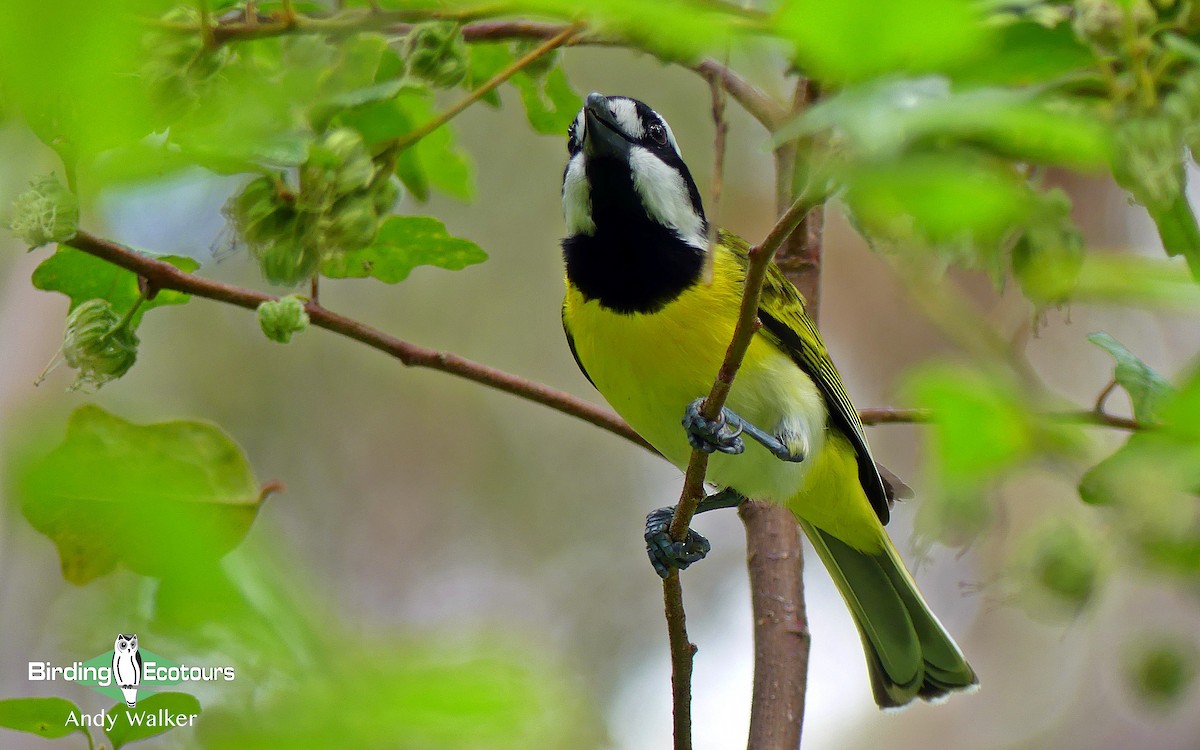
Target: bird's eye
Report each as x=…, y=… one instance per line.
x=658, y=133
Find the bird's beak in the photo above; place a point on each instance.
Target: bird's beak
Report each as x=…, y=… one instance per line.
x=602, y=139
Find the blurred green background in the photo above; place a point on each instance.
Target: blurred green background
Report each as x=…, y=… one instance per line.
x=428, y=520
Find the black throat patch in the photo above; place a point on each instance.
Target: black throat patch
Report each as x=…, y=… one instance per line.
x=631, y=263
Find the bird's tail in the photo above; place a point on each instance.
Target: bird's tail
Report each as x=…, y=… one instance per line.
x=909, y=653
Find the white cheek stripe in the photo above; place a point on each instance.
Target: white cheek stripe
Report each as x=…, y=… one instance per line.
x=577, y=198
x=665, y=196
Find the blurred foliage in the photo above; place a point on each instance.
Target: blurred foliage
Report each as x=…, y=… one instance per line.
x=941, y=126
x=1162, y=670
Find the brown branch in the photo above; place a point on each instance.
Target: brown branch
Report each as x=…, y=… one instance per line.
x=774, y=556
x=161, y=275
x=693, y=483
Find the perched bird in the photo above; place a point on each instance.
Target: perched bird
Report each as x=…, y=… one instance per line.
x=127, y=667
x=649, y=328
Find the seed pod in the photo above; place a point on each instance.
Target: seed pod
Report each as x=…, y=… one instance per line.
x=385, y=194
x=46, y=212
x=288, y=260
x=352, y=223
x=97, y=345
x=279, y=319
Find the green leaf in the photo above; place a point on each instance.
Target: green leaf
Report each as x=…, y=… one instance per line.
x=858, y=39
x=550, y=102
x=939, y=198
x=883, y=119
x=1146, y=388
x=403, y=243
x=45, y=717
x=1026, y=53
x=82, y=277
x=1064, y=565
x=125, y=731
x=979, y=423
x=1178, y=230
x=159, y=498
x=414, y=696
x=1136, y=280
x=483, y=63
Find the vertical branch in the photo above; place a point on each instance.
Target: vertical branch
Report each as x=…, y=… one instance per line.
x=774, y=556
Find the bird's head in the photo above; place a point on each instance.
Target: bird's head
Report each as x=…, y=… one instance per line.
x=625, y=172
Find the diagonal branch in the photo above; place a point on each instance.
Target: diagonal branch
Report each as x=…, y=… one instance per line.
x=163, y=275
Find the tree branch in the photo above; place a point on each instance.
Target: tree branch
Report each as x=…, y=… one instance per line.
x=682, y=651
x=163, y=275
x=233, y=29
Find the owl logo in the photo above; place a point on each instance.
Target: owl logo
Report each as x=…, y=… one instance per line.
x=127, y=667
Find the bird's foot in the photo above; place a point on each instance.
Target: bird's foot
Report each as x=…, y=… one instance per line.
x=721, y=434
x=667, y=554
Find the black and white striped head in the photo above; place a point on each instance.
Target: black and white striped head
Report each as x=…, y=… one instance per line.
x=625, y=170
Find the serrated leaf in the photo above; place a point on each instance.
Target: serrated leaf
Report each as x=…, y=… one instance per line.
x=160, y=498
x=45, y=717
x=125, y=731
x=858, y=39
x=403, y=243
x=550, y=102
x=82, y=277
x=1146, y=388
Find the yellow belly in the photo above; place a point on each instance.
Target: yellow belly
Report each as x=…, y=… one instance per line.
x=650, y=367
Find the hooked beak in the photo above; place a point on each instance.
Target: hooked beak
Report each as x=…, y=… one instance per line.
x=602, y=139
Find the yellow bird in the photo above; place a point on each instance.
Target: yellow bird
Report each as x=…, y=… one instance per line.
x=649, y=330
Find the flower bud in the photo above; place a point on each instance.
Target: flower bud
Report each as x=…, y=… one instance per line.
x=279, y=319
x=385, y=193
x=46, y=212
x=337, y=164
x=1148, y=160
x=98, y=344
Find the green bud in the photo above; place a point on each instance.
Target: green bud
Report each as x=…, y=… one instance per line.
x=279, y=319
x=542, y=65
x=1161, y=672
x=1100, y=22
x=259, y=214
x=288, y=260
x=1048, y=257
x=1064, y=564
x=436, y=52
x=46, y=212
x=337, y=164
x=98, y=344
x=385, y=193
x=352, y=223
x=1148, y=160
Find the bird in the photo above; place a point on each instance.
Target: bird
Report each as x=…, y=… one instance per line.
x=127, y=667
x=650, y=307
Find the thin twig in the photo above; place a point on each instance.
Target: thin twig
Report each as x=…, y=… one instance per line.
x=408, y=139
x=682, y=649
x=166, y=276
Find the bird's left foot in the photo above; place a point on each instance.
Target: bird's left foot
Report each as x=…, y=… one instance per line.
x=667, y=554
